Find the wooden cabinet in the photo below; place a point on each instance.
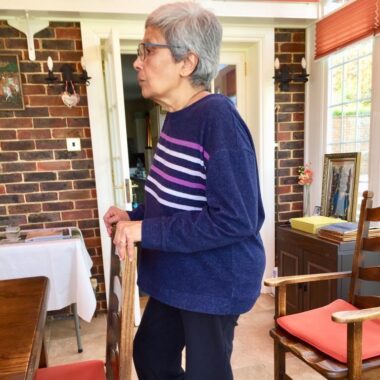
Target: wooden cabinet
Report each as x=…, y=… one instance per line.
x=298, y=252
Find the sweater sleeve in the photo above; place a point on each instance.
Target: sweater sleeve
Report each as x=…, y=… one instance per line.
x=137, y=213
x=234, y=210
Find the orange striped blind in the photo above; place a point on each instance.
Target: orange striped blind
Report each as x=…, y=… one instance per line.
x=356, y=20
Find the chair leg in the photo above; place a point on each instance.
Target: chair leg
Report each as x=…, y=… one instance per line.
x=279, y=361
x=136, y=306
x=77, y=327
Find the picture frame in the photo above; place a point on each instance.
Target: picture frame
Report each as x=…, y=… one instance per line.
x=11, y=96
x=340, y=185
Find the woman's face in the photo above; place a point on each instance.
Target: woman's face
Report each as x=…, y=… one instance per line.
x=157, y=73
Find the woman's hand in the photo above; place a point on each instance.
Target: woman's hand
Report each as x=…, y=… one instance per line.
x=113, y=216
x=127, y=234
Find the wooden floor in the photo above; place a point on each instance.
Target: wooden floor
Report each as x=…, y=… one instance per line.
x=252, y=358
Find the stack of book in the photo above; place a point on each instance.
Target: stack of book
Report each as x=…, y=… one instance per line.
x=340, y=232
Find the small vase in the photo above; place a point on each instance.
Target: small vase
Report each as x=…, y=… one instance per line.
x=306, y=204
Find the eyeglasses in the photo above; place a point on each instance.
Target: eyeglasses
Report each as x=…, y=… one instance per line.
x=143, y=48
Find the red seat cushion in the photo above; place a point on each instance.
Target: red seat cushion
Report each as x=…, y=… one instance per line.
x=316, y=328
x=87, y=370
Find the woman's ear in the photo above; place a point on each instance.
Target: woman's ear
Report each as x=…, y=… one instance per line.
x=189, y=64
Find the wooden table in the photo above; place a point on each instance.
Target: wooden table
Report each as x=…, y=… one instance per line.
x=22, y=322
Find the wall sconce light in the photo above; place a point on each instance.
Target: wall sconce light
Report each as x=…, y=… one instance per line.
x=285, y=75
x=68, y=78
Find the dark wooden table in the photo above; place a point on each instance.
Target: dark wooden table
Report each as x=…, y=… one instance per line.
x=22, y=323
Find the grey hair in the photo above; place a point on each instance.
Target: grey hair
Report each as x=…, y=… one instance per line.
x=187, y=27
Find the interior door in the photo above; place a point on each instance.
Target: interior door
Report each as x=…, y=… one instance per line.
x=117, y=126
x=230, y=80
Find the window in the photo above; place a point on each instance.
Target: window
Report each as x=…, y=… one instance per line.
x=349, y=104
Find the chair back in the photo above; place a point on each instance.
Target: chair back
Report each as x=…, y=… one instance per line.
x=366, y=260
x=120, y=323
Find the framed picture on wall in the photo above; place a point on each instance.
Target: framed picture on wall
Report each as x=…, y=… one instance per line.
x=11, y=98
x=340, y=185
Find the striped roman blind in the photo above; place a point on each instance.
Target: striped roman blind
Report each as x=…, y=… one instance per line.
x=353, y=22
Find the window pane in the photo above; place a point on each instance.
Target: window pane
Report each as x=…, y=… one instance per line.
x=349, y=104
x=334, y=134
x=336, y=59
x=365, y=77
x=336, y=85
x=350, y=81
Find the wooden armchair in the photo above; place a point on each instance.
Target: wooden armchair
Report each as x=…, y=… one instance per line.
x=118, y=365
x=340, y=340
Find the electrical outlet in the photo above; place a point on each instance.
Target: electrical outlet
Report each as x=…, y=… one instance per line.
x=73, y=144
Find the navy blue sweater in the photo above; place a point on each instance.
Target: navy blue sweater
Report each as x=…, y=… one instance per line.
x=202, y=249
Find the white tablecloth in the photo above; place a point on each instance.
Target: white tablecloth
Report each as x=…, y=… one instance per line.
x=65, y=262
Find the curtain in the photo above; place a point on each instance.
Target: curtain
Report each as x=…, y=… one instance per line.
x=351, y=23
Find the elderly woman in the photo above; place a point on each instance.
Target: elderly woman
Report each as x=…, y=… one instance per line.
x=202, y=260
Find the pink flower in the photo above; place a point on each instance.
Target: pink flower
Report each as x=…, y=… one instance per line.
x=305, y=177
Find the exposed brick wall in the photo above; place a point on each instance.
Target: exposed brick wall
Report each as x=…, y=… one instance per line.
x=41, y=183
x=289, y=127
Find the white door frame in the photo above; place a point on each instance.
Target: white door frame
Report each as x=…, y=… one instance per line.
x=260, y=113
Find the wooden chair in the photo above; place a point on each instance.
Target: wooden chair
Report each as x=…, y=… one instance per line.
x=120, y=326
x=314, y=336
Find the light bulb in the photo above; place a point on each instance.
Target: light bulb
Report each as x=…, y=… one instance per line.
x=83, y=63
x=303, y=63
x=50, y=63
x=276, y=64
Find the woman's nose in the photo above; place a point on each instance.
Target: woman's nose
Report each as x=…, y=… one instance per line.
x=137, y=64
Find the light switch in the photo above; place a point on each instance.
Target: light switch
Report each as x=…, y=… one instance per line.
x=73, y=144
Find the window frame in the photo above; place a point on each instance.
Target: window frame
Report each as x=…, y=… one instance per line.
x=316, y=120
x=363, y=185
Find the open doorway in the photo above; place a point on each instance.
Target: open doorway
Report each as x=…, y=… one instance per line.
x=144, y=122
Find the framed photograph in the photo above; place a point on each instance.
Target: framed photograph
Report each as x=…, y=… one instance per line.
x=340, y=185
x=11, y=98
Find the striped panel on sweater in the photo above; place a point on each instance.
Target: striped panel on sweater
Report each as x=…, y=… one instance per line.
x=177, y=177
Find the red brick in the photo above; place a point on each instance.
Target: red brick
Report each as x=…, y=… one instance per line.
x=7, y=134
x=46, y=100
x=67, y=132
x=57, y=206
x=49, y=122
x=24, y=209
x=283, y=189
x=34, y=89
x=94, y=242
x=16, y=43
x=292, y=47
x=74, y=194
x=65, y=111
x=87, y=204
x=76, y=215
x=33, y=134
x=298, y=116
x=284, y=136
x=71, y=56
x=68, y=33
x=53, y=165
x=2, y=189
x=16, y=123
x=297, y=206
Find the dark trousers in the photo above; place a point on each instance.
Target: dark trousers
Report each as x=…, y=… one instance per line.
x=164, y=332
